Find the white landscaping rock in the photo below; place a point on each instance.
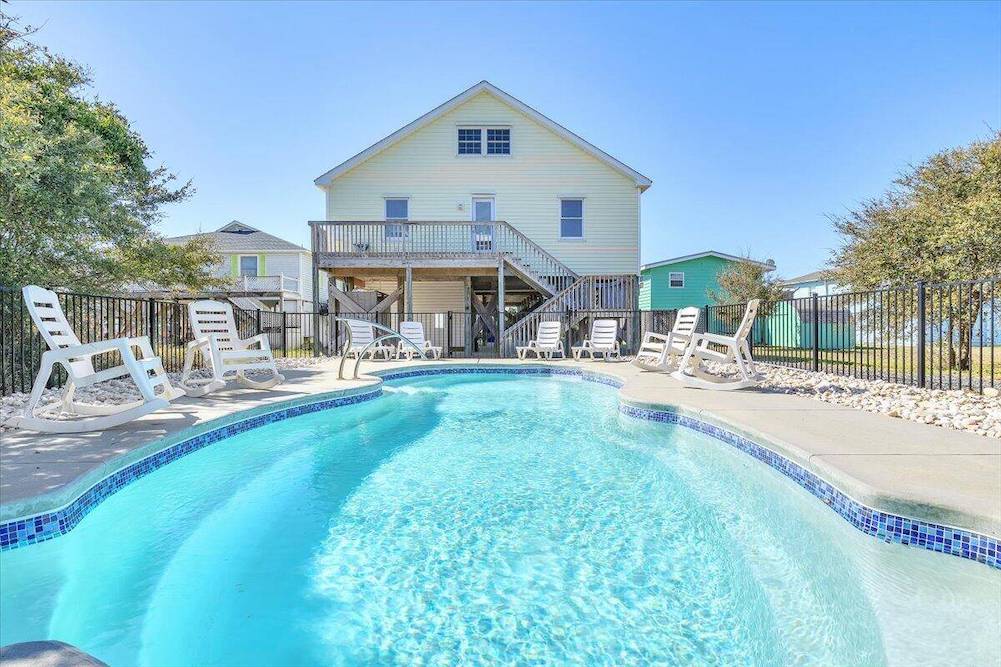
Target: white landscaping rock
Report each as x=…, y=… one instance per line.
x=961, y=410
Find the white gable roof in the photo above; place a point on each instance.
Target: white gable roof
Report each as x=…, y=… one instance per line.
x=483, y=86
x=708, y=253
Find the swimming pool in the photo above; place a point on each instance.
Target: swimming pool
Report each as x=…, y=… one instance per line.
x=475, y=518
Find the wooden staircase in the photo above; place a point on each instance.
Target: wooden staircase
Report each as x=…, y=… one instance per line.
x=586, y=297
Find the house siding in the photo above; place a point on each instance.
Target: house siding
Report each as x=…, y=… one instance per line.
x=701, y=275
x=527, y=186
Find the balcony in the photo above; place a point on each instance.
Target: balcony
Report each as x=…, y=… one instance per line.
x=279, y=284
x=436, y=244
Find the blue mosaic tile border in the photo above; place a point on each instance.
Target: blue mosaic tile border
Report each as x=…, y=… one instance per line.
x=30, y=530
x=886, y=527
x=590, y=376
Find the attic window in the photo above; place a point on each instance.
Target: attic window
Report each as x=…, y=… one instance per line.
x=471, y=141
x=498, y=141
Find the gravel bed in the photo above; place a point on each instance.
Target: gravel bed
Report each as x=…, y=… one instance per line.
x=956, y=409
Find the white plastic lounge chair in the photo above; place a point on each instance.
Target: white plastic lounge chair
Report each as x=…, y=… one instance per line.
x=414, y=331
x=548, y=342
x=691, y=371
x=223, y=350
x=603, y=340
x=661, y=353
x=77, y=358
x=361, y=335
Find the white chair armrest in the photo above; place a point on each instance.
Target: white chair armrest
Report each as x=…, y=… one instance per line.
x=650, y=337
x=261, y=340
x=89, y=349
x=716, y=338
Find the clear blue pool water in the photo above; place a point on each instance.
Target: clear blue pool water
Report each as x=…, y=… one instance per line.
x=484, y=519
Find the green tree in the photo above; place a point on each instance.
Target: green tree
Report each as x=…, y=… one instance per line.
x=740, y=282
x=940, y=222
x=78, y=203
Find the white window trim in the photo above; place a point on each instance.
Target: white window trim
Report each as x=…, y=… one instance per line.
x=670, y=279
x=583, y=218
x=257, y=265
x=406, y=229
x=483, y=139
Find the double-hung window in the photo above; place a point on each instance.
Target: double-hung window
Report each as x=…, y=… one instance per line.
x=470, y=141
x=397, y=209
x=676, y=279
x=248, y=266
x=571, y=218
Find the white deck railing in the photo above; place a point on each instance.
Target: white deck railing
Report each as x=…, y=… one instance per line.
x=279, y=283
x=439, y=239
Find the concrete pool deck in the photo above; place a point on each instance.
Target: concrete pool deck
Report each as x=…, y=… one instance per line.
x=901, y=467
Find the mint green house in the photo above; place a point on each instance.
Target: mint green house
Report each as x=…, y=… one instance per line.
x=685, y=281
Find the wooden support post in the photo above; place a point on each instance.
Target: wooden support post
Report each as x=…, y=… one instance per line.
x=409, y=290
x=316, y=293
x=400, y=304
x=500, y=307
x=470, y=316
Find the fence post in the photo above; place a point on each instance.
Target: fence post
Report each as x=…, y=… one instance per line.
x=816, y=334
x=706, y=318
x=921, y=333
x=258, y=311
x=448, y=336
x=151, y=323
x=284, y=333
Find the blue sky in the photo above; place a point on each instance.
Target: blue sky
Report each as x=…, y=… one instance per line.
x=755, y=121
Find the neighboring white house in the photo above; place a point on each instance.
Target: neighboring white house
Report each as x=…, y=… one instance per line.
x=817, y=282
x=482, y=204
x=266, y=272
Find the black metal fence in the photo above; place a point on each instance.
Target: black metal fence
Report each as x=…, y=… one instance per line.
x=945, y=336
x=97, y=317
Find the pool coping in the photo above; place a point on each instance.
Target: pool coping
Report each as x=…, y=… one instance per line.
x=37, y=519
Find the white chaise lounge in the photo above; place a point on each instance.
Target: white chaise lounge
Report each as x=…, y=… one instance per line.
x=77, y=358
x=414, y=331
x=662, y=353
x=692, y=371
x=604, y=340
x=361, y=335
x=224, y=352
x=548, y=342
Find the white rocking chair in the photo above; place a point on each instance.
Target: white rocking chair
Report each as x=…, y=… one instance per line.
x=548, y=342
x=214, y=328
x=661, y=353
x=77, y=358
x=603, y=340
x=691, y=371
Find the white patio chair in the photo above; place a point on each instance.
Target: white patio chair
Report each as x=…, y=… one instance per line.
x=603, y=340
x=361, y=335
x=661, y=353
x=224, y=352
x=548, y=342
x=414, y=331
x=77, y=358
x=691, y=371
